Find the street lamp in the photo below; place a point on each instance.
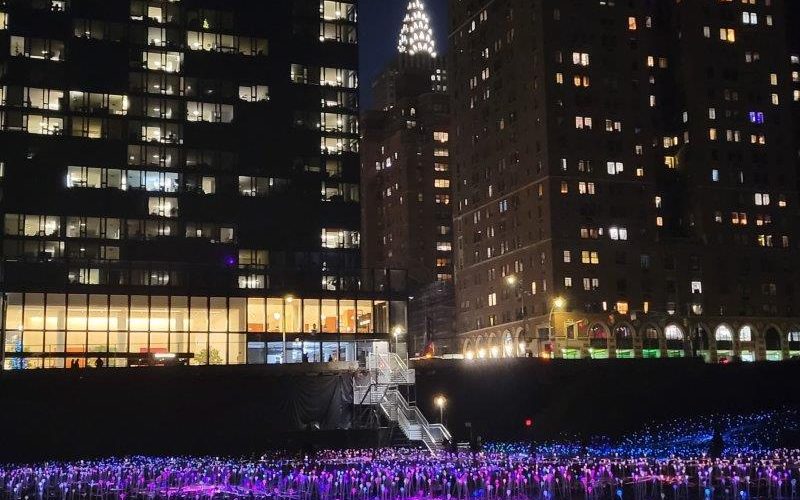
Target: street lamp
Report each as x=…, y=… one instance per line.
x=397, y=331
x=440, y=402
x=512, y=281
x=558, y=303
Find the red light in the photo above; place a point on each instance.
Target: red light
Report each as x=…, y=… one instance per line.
x=528, y=422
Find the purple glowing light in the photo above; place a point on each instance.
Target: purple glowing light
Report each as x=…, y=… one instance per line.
x=390, y=474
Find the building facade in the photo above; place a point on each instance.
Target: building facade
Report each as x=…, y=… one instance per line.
x=625, y=183
x=407, y=210
x=181, y=178
x=793, y=26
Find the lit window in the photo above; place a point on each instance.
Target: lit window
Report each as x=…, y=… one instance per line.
x=749, y=18
x=723, y=334
x=583, y=122
x=618, y=233
x=756, y=117
x=163, y=207
x=254, y=93
x=614, y=168
x=745, y=334
x=580, y=58
x=673, y=332
x=727, y=35
x=252, y=281
x=586, y=188
x=169, y=62
x=340, y=238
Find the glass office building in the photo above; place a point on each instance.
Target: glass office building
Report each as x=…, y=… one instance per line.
x=180, y=178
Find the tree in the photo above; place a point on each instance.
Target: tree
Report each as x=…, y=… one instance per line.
x=202, y=357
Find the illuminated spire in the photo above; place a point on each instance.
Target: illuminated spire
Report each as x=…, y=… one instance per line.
x=416, y=36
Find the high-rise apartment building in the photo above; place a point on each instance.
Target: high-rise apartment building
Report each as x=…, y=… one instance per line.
x=407, y=212
x=180, y=178
x=793, y=27
x=625, y=182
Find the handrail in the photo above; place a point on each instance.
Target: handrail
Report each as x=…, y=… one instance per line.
x=437, y=433
x=388, y=370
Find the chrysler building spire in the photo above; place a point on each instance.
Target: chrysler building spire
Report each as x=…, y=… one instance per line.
x=416, y=36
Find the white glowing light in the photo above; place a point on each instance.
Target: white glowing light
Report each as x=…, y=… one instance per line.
x=416, y=36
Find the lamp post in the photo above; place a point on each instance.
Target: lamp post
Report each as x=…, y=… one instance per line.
x=440, y=402
x=288, y=299
x=558, y=303
x=397, y=331
x=512, y=281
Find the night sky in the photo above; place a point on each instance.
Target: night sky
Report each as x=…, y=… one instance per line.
x=380, y=22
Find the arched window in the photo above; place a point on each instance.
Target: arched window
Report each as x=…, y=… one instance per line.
x=623, y=332
x=723, y=334
x=597, y=331
x=673, y=332
x=480, y=347
x=745, y=334
x=508, y=345
x=772, y=339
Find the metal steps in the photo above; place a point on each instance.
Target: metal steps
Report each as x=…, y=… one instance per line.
x=379, y=386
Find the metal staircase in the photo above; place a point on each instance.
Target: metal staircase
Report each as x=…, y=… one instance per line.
x=380, y=387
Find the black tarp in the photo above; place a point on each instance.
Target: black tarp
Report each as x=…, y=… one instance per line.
x=235, y=410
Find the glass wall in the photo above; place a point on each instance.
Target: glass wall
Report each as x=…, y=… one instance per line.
x=60, y=330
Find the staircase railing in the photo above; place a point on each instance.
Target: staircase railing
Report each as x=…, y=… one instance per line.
x=391, y=369
x=413, y=422
x=387, y=371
